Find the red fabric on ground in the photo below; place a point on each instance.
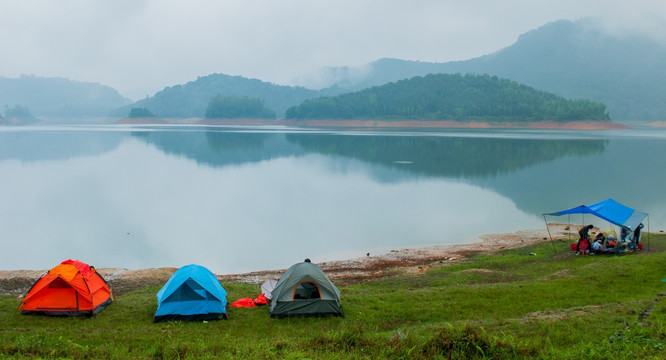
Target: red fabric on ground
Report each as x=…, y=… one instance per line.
x=260, y=300
x=246, y=302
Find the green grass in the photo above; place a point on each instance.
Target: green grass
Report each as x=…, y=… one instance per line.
x=510, y=305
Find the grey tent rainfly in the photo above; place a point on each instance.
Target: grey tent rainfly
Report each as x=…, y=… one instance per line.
x=304, y=290
x=267, y=288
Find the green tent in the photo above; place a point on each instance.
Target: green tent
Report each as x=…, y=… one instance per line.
x=304, y=290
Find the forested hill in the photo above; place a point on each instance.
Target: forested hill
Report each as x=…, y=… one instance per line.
x=450, y=97
x=576, y=60
x=192, y=98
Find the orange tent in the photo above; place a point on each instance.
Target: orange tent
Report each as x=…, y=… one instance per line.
x=69, y=289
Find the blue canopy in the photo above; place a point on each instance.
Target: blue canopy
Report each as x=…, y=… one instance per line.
x=192, y=293
x=609, y=210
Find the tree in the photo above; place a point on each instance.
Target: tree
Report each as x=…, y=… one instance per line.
x=141, y=113
x=18, y=112
x=233, y=107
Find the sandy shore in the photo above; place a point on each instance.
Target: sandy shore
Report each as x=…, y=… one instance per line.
x=342, y=272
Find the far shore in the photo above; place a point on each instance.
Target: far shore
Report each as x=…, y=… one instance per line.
x=374, y=124
x=342, y=272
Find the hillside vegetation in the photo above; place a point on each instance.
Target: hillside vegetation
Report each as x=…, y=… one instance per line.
x=140, y=113
x=233, y=107
x=576, y=60
x=192, y=99
x=450, y=97
x=515, y=304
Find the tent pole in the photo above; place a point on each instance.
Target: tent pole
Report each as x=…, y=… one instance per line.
x=648, y=232
x=550, y=237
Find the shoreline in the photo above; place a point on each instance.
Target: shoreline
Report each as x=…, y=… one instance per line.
x=342, y=272
x=374, y=124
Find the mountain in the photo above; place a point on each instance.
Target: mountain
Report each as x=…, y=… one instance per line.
x=58, y=97
x=450, y=97
x=191, y=99
x=575, y=60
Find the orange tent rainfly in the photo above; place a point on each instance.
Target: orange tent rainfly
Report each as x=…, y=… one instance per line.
x=69, y=289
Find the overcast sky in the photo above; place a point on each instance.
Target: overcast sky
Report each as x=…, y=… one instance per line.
x=141, y=46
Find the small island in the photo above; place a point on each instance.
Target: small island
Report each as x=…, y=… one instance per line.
x=450, y=97
x=433, y=101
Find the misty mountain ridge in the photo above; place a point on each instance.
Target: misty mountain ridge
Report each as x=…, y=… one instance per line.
x=59, y=97
x=575, y=60
x=571, y=59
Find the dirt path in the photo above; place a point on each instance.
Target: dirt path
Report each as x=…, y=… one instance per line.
x=342, y=272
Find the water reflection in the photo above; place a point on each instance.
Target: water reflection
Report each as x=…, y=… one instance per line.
x=456, y=157
x=249, y=200
x=221, y=148
x=30, y=145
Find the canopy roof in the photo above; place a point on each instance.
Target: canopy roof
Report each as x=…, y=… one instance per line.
x=609, y=210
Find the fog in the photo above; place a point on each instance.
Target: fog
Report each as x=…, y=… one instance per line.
x=141, y=46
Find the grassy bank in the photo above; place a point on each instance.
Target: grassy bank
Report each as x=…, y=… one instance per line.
x=502, y=306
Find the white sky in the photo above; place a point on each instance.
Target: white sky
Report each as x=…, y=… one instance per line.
x=141, y=46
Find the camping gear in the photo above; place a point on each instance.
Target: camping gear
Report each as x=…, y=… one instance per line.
x=267, y=287
x=192, y=293
x=244, y=302
x=261, y=300
x=72, y=288
x=304, y=290
x=610, y=232
x=609, y=210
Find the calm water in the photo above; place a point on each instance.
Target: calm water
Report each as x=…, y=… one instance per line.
x=242, y=199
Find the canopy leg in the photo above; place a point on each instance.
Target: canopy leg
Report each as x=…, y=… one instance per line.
x=550, y=237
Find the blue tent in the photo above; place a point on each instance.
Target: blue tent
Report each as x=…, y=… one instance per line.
x=609, y=210
x=192, y=293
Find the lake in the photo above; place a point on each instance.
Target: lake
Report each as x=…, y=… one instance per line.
x=238, y=199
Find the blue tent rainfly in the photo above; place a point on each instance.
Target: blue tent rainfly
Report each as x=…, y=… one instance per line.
x=192, y=293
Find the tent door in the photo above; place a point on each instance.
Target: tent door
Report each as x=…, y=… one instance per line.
x=306, y=290
x=59, y=295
